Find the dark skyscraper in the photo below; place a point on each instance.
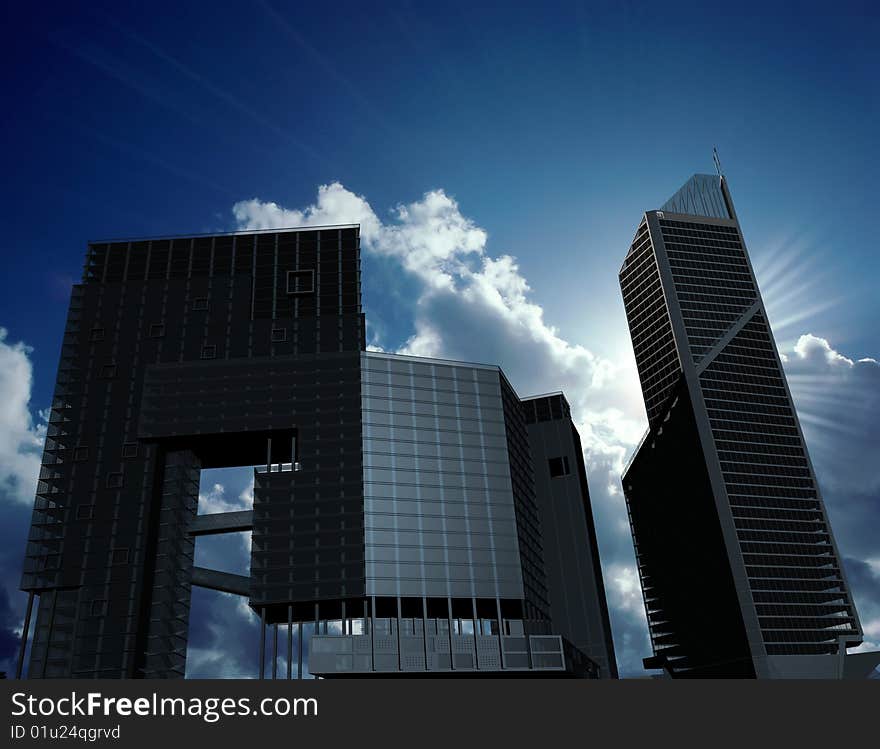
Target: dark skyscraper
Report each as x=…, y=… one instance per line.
x=397, y=518
x=574, y=574
x=739, y=569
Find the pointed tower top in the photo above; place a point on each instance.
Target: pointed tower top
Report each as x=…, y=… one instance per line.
x=701, y=195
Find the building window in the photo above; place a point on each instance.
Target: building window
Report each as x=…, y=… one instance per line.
x=84, y=512
x=157, y=330
x=99, y=608
x=47, y=562
x=201, y=303
x=300, y=281
x=559, y=466
x=209, y=352
x=279, y=334
x=114, y=480
x=80, y=453
x=119, y=556
x=108, y=372
x=129, y=449
x=97, y=334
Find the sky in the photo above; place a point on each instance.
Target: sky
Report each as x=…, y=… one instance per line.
x=499, y=158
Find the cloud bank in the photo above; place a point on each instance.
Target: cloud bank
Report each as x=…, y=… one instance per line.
x=21, y=443
x=21, y=438
x=838, y=400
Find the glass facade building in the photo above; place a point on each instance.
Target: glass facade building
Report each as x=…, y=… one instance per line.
x=739, y=569
x=437, y=487
x=397, y=525
x=455, y=529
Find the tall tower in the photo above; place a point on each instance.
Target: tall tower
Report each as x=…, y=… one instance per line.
x=571, y=551
x=740, y=573
x=182, y=354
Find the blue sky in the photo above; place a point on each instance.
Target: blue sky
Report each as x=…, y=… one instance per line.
x=537, y=132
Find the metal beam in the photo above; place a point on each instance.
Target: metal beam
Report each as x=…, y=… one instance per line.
x=24, y=634
x=221, y=522
x=225, y=582
x=728, y=336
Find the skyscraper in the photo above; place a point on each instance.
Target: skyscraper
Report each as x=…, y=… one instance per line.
x=739, y=569
x=574, y=574
x=395, y=523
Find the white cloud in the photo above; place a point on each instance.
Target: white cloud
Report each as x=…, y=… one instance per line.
x=429, y=237
x=215, y=500
x=335, y=205
x=838, y=400
x=624, y=589
x=212, y=663
x=816, y=354
x=813, y=348
x=225, y=643
x=21, y=439
x=872, y=629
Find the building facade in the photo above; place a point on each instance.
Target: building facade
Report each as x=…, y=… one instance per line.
x=739, y=569
x=396, y=524
x=566, y=519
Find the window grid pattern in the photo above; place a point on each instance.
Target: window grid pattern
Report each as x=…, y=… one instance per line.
x=330, y=255
x=713, y=282
x=794, y=574
x=525, y=501
x=142, y=298
x=438, y=507
x=650, y=328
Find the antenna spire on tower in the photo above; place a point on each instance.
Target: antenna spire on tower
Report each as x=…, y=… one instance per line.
x=717, y=161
